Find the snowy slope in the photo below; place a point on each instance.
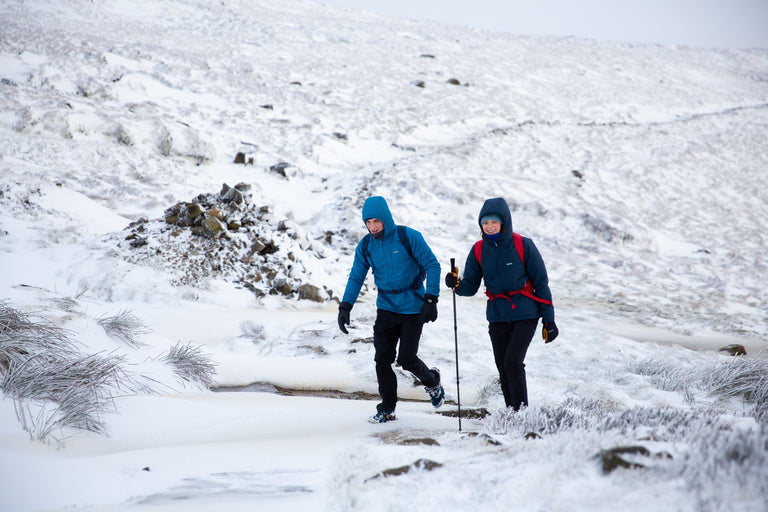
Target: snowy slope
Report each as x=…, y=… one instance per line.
x=638, y=170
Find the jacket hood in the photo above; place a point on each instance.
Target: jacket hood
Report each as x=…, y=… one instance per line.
x=376, y=207
x=497, y=206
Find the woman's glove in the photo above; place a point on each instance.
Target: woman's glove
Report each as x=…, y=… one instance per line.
x=549, y=332
x=452, y=280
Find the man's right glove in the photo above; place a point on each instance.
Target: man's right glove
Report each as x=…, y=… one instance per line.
x=549, y=332
x=429, y=308
x=452, y=280
x=344, y=309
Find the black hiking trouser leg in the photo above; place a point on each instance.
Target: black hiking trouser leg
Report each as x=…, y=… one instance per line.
x=387, y=331
x=510, y=341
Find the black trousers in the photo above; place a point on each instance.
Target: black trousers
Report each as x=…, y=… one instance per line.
x=387, y=331
x=510, y=342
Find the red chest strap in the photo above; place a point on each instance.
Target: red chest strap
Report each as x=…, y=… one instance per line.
x=526, y=290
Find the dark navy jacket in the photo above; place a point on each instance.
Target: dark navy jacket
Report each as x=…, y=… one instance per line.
x=503, y=271
x=393, y=268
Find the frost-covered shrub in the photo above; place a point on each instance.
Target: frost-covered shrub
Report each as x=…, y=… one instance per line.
x=124, y=326
x=52, y=385
x=665, y=374
x=80, y=390
x=738, y=377
x=587, y=414
x=742, y=378
x=191, y=364
x=573, y=414
x=20, y=338
x=728, y=469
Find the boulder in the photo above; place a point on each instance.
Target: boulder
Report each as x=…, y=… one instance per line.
x=734, y=350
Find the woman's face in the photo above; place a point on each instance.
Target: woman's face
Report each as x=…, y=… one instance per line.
x=491, y=227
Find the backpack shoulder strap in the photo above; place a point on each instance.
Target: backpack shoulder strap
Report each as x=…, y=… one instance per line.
x=407, y=244
x=404, y=240
x=478, y=250
x=364, y=249
x=518, y=241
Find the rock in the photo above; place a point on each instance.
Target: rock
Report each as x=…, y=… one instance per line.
x=138, y=242
x=421, y=464
x=415, y=441
x=310, y=292
x=279, y=168
x=233, y=195
x=240, y=158
x=215, y=212
x=734, y=349
x=612, y=459
x=192, y=210
x=213, y=226
x=453, y=81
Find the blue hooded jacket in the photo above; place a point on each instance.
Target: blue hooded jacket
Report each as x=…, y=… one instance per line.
x=393, y=267
x=503, y=271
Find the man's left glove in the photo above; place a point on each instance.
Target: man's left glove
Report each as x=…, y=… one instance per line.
x=549, y=332
x=344, y=309
x=429, y=309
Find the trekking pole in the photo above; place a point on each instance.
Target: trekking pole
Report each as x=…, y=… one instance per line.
x=456, y=341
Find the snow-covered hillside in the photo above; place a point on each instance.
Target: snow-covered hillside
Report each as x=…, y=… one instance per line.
x=638, y=170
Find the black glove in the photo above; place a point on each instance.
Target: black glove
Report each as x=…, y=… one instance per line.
x=429, y=309
x=452, y=280
x=344, y=309
x=549, y=332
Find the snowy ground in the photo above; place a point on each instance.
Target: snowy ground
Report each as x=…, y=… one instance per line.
x=638, y=170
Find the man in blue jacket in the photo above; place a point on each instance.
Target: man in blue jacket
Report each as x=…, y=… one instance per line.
x=517, y=288
x=400, y=260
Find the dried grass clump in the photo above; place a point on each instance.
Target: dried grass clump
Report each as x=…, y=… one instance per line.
x=743, y=378
x=20, y=338
x=53, y=386
x=191, y=364
x=124, y=326
x=738, y=378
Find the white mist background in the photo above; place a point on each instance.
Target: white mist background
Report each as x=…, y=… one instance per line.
x=708, y=23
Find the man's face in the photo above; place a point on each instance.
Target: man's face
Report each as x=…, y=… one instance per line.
x=374, y=225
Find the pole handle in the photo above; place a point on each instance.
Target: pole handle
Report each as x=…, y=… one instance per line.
x=453, y=265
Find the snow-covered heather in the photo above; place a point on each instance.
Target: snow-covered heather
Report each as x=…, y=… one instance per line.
x=638, y=170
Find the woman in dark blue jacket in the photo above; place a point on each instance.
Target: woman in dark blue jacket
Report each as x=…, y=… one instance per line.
x=518, y=295
x=401, y=260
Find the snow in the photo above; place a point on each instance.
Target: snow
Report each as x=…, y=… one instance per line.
x=638, y=170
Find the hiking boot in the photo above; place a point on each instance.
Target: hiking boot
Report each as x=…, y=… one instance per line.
x=436, y=392
x=382, y=417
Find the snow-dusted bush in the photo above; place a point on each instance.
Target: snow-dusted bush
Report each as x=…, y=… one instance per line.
x=80, y=391
x=124, y=326
x=723, y=462
x=20, y=338
x=742, y=378
x=190, y=364
x=727, y=469
x=738, y=377
x=53, y=386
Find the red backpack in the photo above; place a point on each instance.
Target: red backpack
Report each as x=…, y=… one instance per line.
x=527, y=289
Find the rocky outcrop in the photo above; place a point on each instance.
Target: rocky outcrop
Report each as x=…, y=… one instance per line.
x=225, y=236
